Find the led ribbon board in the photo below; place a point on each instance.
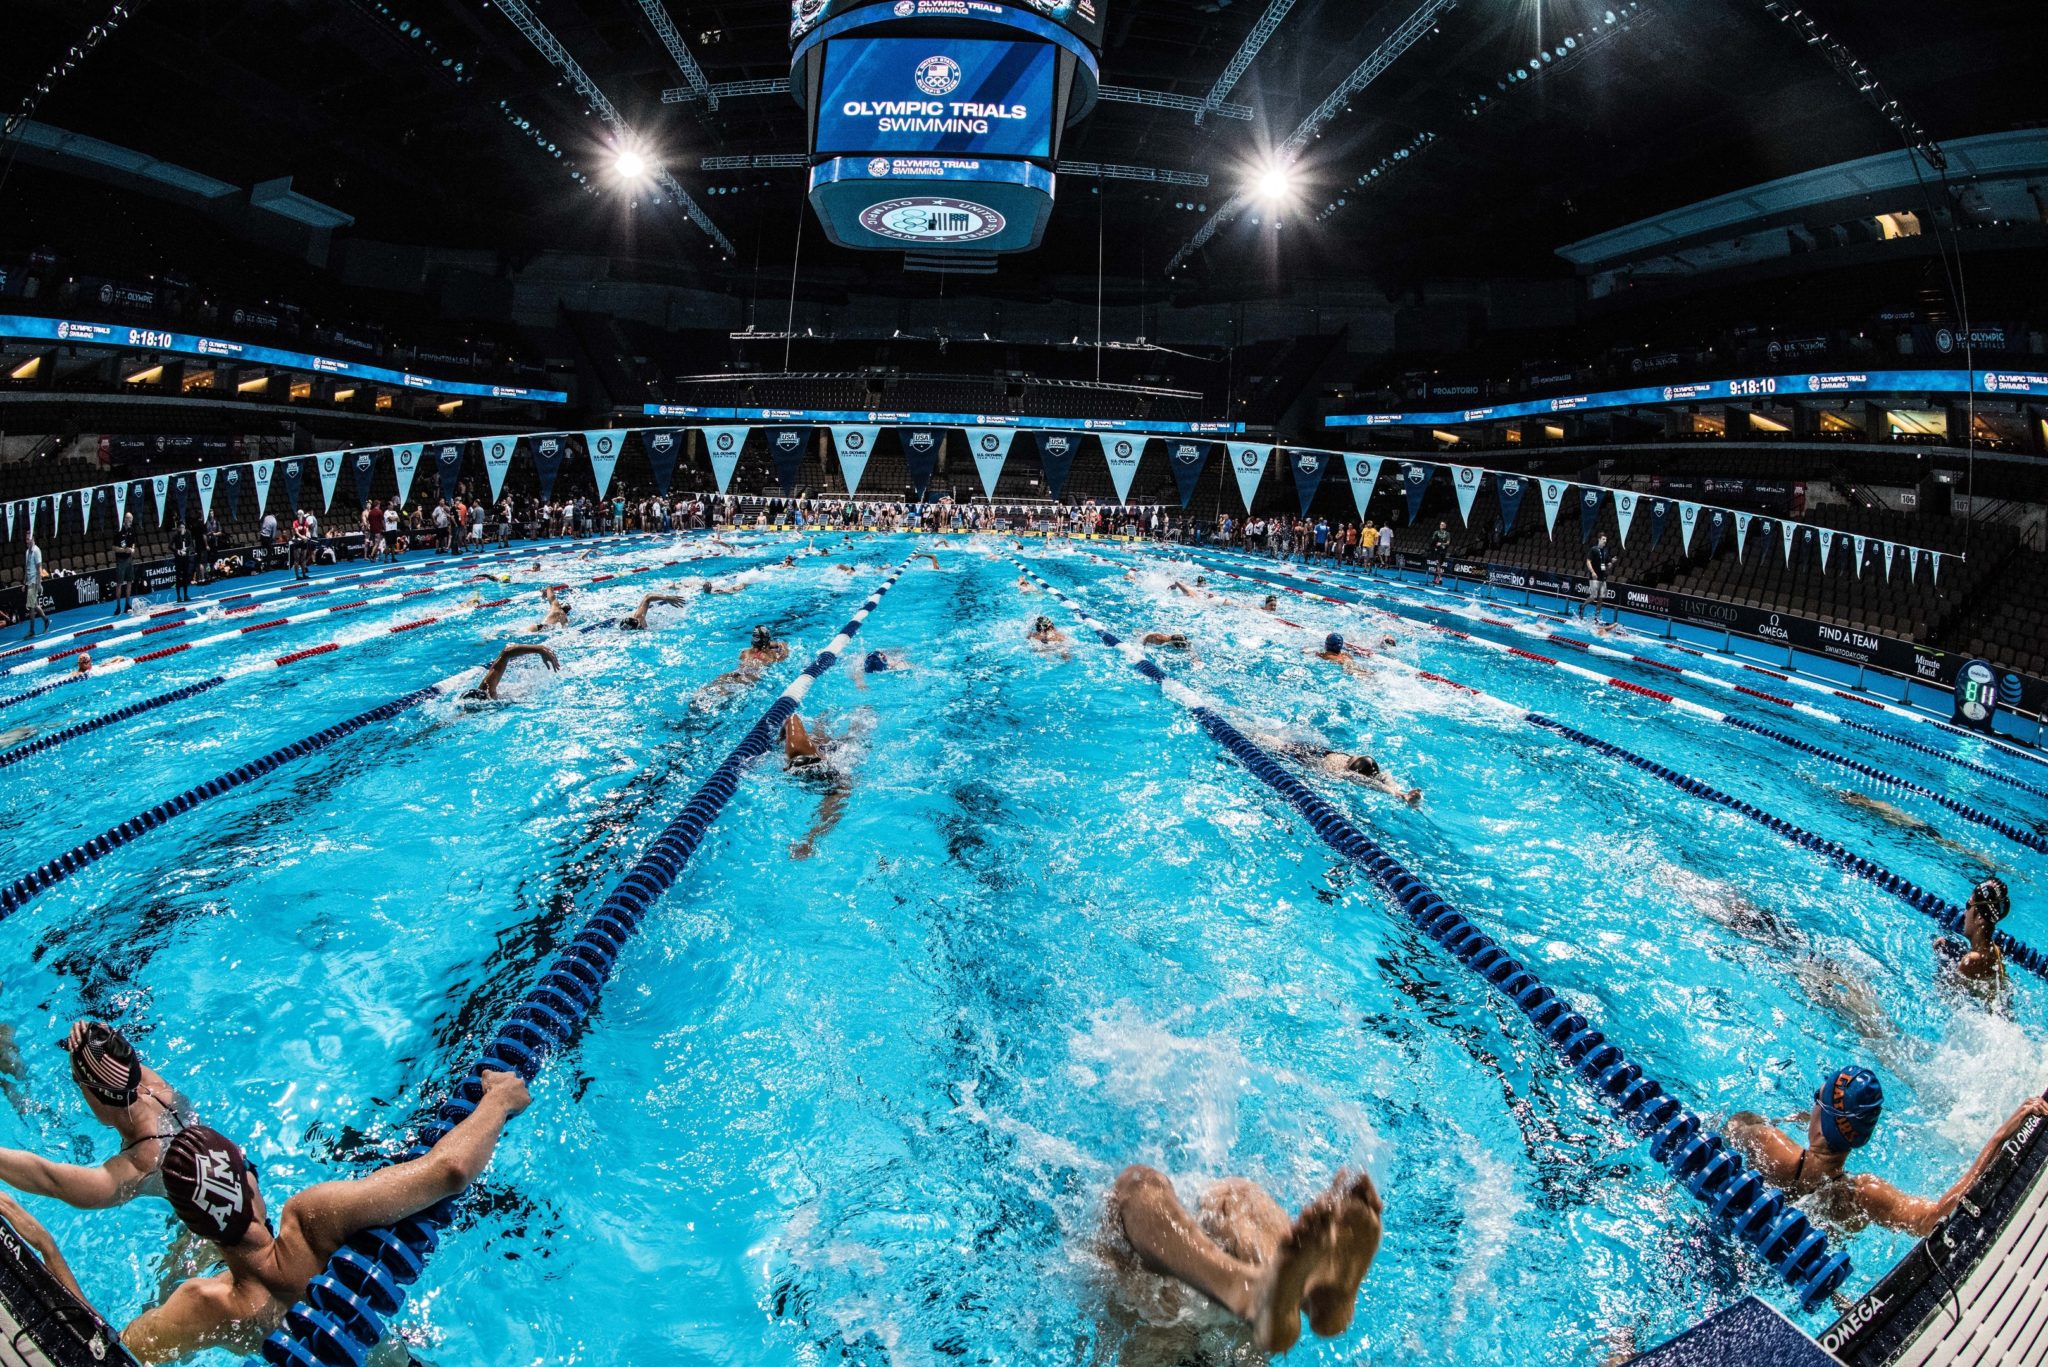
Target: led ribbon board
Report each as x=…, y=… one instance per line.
x=822, y=416
x=1082, y=18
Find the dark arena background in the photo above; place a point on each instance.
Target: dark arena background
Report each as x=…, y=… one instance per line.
x=1664, y=356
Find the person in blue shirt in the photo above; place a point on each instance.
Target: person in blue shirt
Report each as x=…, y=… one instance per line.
x=1322, y=535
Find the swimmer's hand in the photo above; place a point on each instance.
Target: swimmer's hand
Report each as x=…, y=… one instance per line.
x=508, y=1089
x=1413, y=797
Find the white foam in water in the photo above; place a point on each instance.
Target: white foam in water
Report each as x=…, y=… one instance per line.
x=1490, y=1209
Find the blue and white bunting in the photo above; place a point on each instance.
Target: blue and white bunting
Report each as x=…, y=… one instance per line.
x=160, y=485
x=921, y=453
x=364, y=463
x=723, y=445
x=1512, y=487
x=260, y=473
x=1688, y=518
x=1742, y=521
x=1934, y=566
x=1248, y=460
x=1858, y=544
x=1624, y=512
x=87, y=497
x=1466, y=480
x=1122, y=455
x=1827, y=541
x=548, y=454
x=497, y=460
x=1186, y=459
x=330, y=471
x=856, y=446
x=1717, y=527
x=1589, y=514
x=1415, y=483
x=602, y=447
x=448, y=460
x=991, y=450
x=405, y=463
x=1056, y=452
x=1364, y=473
x=663, y=448
x=1553, y=499
x=1660, y=516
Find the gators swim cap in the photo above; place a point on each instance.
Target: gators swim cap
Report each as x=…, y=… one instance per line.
x=104, y=1062
x=1849, y=1104
x=1333, y=644
x=207, y=1181
x=875, y=663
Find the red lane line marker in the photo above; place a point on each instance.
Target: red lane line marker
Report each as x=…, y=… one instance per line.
x=345, y=607
x=1438, y=678
x=1696, y=654
x=602, y=578
x=299, y=655
x=415, y=593
x=236, y=597
x=247, y=607
x=1567, y=642
x=495, y=603
x=1638, y=688
x=1754, y=693
x=167, y=626
x=67, y=654
x=1496, y=622
x=1296, y=625
x=409, y=626
x=263, y=626
x=159, y=654
x=1530, y=655
x=1656, y=664
x=1757, y=669
x=4, y=654
x=1851, y=697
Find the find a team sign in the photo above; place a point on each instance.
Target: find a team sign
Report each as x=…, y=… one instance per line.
x=966, y=96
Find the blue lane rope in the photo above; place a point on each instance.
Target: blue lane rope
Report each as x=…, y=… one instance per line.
x=1947, y=914
x=134, y=709
x=343, y=1315
x=1696, y=1157
x=39, y=690
x=16, y=895
x=1350, y=582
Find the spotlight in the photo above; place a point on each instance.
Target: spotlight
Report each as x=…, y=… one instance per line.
x=1275, y=184
x=630, y=165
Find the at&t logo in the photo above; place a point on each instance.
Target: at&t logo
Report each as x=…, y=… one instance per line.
x=938, y=75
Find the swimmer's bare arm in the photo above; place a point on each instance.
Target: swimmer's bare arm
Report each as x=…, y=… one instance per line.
x=496, y=673
x=201, y=1313
x=1886, y=1205
x=38, y=1238
x=110, y=1184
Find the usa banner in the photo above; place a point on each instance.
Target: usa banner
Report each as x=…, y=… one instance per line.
x=856, y=446
x=1307, y=467
x=1717, y=527
x=85, y=502
x=405, y=463
x=991, y=449
x=921, y=454
x=497, y=460
x=548, y=454
x=1624, y=512
x=1553, y=499
x=1857, y=547
x=1589, y=513
x=181, y=492
x=723, y=445
x=1512, y=487
x=1248, y=461
x=1123, y=455
x=1465, y=479
x=1186, y=458
x=231, y=481
x=1415, y=483
x=1056, y=457
x=1660, y=513
x=294, y=476
x=1364, y=473
x=662, y=448
x=1688, y=518
x=1826, y=541
x=365, y=465
x=602, y=447
x=330, y=470
x=786, y=451
x=448, y=460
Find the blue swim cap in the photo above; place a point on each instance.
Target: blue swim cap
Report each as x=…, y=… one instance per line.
x=1333, y=644
x=1849, y=1104
x=876, y=662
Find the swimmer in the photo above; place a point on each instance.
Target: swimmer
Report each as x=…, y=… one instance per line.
x=1844, y=1116
x=713, y=586
x=927, y=555
x=1363, y=770
x=1911, y=824
x=1272, y=603
x=637, y=621
x=557, y=614
x=807, y=755
x=764, y=651
x=487, y=689
x=1044, y=633
x=84, y=662
x=1333, y=651
x=880, y=662
x=845, y=569
x=130, y=1099
x=1024, y=585
x=1172, y=640
x=1242, y=1252
x=1978, y=960
x=15, y=735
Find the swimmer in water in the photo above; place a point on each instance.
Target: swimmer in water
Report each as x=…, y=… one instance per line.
x=130, y=1099
x=713, y=586
x=1911, y=824
x=1272, y=603
x=637, y=621
x=487, y=689
x=1333, y=652
x=1363, y=770
x=1024, y=585
x=807, y=755
x=1977, y=960
x=1844, y=1116
x=15, y=735
x=926, y=555
x=1242, y=1252
x=557, y=614
x=880, y=662
x=1044, y=633
x=764, y=651
x=1172, y=640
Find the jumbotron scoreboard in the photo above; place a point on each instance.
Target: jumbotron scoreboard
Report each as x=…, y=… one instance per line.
x=935, y=124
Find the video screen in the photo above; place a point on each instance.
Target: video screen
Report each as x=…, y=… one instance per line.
x=925, y=96
x=1080, y=17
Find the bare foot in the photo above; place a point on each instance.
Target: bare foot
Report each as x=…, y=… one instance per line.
x=1276, y=1318
x=1332, y=1295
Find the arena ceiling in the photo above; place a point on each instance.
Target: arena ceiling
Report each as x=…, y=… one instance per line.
x=439, y=121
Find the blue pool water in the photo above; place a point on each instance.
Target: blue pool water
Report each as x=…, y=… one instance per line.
x=864, y=1107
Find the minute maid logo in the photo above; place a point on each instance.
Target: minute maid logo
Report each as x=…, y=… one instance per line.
x=725, y=441
x=990, y=441
x=789, y=441
x=938, y=75
x=923, y=441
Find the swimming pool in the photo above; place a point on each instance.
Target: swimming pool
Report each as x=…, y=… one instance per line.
x=865, y=1106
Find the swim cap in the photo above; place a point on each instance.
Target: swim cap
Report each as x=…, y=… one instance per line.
x=875, y=663
x=1333, y=644
x=1042, y=624
x=1364, y=764
x=1849, y=1104
x=104, y=1062
x=763, y=638
x=206, y=1181
x=1996, y=897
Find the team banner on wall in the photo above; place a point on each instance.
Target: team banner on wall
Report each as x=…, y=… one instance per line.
x=1827, y=542
x=856, y=446
x=662, y=450
x=1248, y=462
x=448, y=460
x=1466, y=479
x=1056, y=457
x=329, y=465
x=603, y=449
x=1624, y=512
x=1364, y=473
x=921, y=454
x=232, y=482
x=1589, y=513
x=1859, y=546
x=548, y=455
x=260, y=473
x=497, y=460
x=405, y=463
x=1123, y=455
x=1187, y=459
x=1512, y=487
x=90, y=496
x=991, y=449
x=786, y=453
x=1415, y=483
x=1553, y=499
x=1307, y=469
x=723, y=445
x=1742, y=521
x=160, y=485
x=292, y=477
x=181, y=494
x=365, y=465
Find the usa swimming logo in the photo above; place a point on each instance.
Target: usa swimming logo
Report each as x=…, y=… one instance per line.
x=1511, y=487
x=1056, y=446
x=1187, y=454
x=788, y=441
x=922, y=441
x=1308, y=465
x=363, y=462
x=663, y=442
x=938, y=75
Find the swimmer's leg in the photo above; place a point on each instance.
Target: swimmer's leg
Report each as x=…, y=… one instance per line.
x=1168, y=1241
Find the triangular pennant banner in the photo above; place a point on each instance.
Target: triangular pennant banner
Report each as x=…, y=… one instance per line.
x=786, y=451
x=1364, y=472
x=991, y=448
x=1512, y=487
x=1624, y=512
x=1935, y=566
x=856, y=446
x=160, y=485
x=1912, y=565
x=1717, y=527
x=329, y=463
x=364, y=463
x=1248, y=462
x=1884, y=558
x=1688, y=518
x=1466, y=480
x=603, y=449
x=10, y=524
x=1553, y=499
x=1056, y=457
x=1827, y=541
x=1788, y=536
x=232, y=482
x=448, y=460
x=1589, y=513
x=1415, y=483
x=293, y=476
x=663, y=447
x=548, y=454
x=1859, y=545
x=497, y=460
x=921, y=454
x=260, y=474
x=1660, y=514
x=405, y=463
x=1123, y=455
x=1742, y=521
x=88, y=497
x=181, y=496
x=1308, y=469
x=723, y=445
x=1186, y=458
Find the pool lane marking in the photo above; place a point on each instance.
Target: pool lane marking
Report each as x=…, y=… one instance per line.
x=1806, y=709
x=1694, y=1155
x=342, y=1317
x=2019, y=835
x=1468, y=605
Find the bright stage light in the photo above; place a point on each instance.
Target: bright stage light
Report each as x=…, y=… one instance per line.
x=630, y=165
x=1275, y=184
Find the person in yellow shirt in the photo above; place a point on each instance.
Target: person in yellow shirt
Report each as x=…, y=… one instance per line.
x=1368, y=542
